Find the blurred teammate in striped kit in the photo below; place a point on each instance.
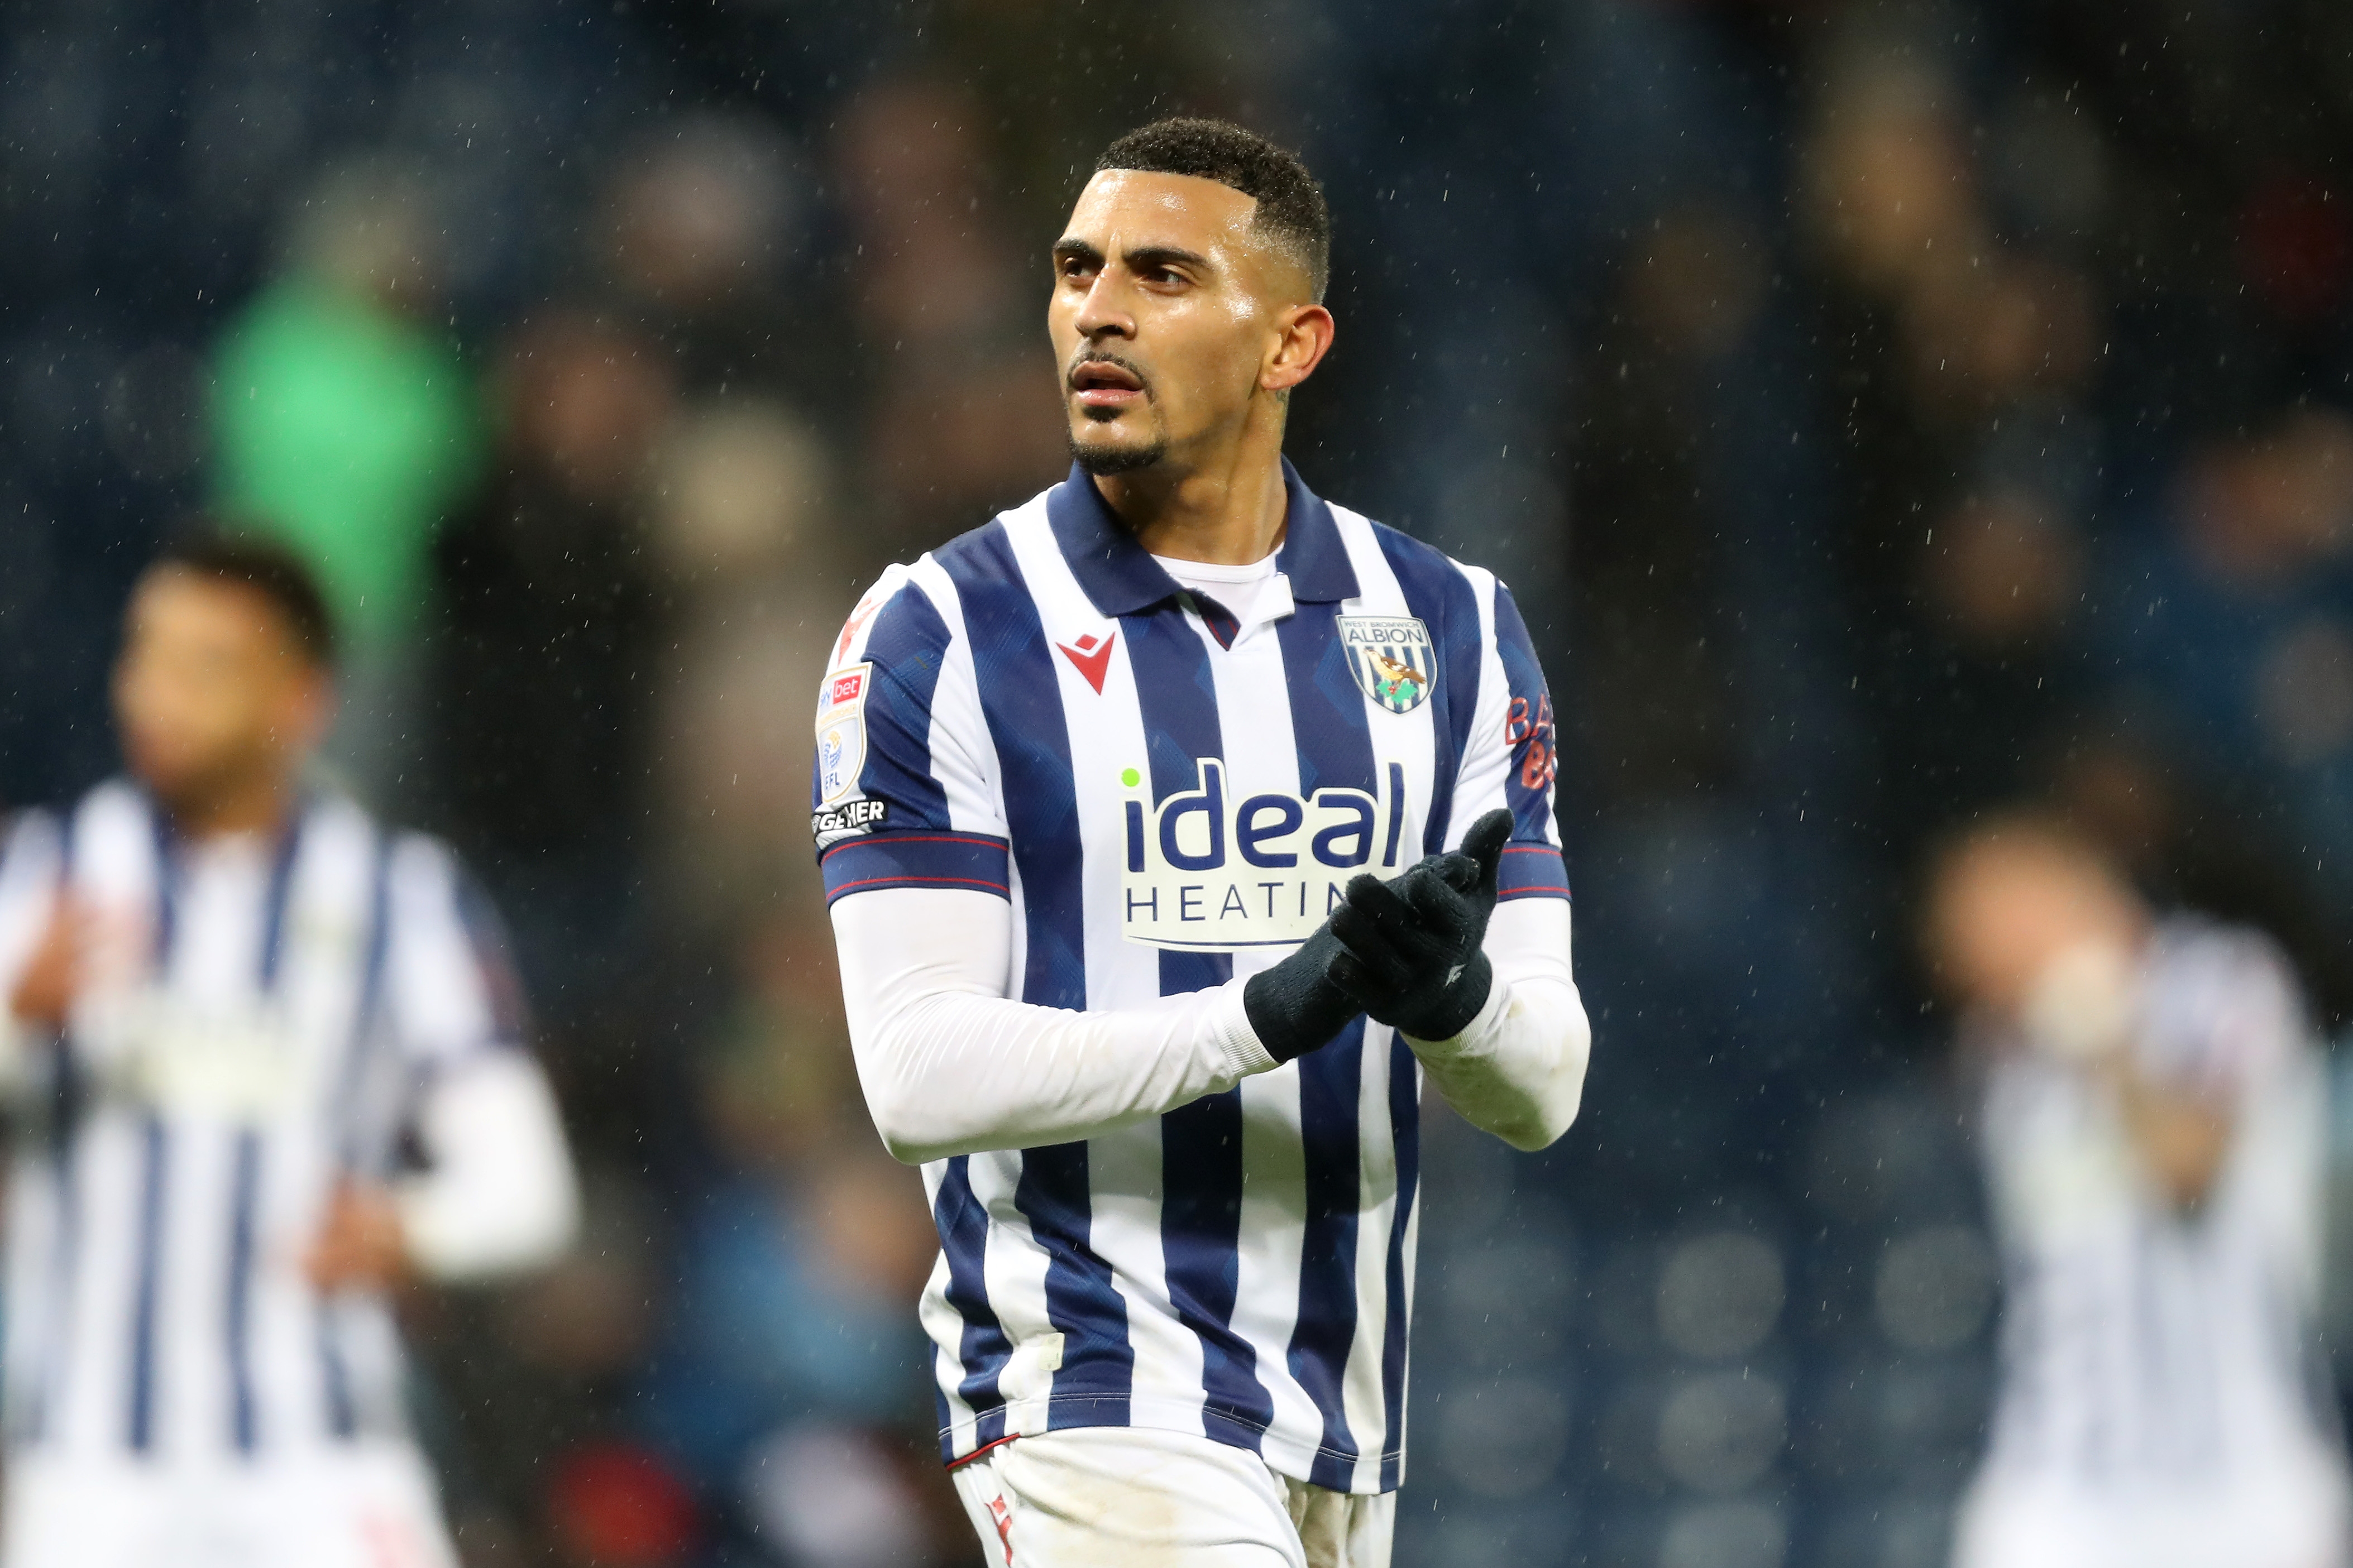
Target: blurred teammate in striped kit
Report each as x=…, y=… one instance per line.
x=233, y=999
x=2153, y=1132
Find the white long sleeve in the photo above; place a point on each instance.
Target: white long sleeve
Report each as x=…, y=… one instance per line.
x=500, y=1196
x=951, y=1066
x=1518, y=1070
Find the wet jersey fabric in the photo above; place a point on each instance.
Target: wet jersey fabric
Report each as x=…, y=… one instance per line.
x=1172, y=796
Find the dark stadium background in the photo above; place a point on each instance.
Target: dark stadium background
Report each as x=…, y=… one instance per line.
x=1879, y=410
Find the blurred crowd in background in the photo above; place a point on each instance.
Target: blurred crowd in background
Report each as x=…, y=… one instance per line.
x=1880, y=410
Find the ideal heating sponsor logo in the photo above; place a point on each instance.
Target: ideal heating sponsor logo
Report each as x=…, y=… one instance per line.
x=1205, y=870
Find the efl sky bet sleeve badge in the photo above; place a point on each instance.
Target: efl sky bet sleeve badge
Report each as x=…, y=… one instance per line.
x=1392, y=658
x=841, y=732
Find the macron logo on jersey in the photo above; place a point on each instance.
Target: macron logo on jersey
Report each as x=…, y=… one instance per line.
x=1090, y=657
x=1207, y=871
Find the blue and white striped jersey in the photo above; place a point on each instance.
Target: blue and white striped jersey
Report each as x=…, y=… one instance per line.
x=1169, y=799
x=257, y=1022
x=2146, y=1349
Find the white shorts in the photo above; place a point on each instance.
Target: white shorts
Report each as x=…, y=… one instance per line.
x=2295, y=1517
x=369, y=1505
x=1089, y=1496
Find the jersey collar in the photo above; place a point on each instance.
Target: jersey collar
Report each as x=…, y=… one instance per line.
x=1120, y=577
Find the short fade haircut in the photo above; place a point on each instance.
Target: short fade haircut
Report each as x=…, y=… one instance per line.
x=1290, y=208
x=269, y=569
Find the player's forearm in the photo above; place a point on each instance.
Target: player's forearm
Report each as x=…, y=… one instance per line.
x=950, y=1065
x=1518, y=1070
x=500, y=1196
x=951, y=1073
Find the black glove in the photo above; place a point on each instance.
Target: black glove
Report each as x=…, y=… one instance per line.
x=1293, y=1008
x=1411, y=951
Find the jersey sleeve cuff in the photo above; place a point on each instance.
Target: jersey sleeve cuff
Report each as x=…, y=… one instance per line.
x=1531, y=871
x=917, y=857
x=1236, y=1043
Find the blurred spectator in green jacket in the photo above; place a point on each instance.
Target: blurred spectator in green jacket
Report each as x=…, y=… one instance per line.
x=346, y=424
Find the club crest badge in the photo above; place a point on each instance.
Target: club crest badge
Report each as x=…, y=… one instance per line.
x=841, y=732
x=1392, y=658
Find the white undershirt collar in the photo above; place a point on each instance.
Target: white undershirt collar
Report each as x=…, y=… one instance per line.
x=1254, y=594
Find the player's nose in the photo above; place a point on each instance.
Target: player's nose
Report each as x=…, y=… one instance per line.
x=1103, y=314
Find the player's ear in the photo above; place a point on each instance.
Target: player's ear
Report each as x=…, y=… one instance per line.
x=1303, y=336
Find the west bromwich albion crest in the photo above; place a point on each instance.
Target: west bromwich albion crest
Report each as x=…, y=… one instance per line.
x=1392, y=658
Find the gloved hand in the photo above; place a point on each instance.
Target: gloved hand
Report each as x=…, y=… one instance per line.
x=1410, y=949
x=1293, y=1008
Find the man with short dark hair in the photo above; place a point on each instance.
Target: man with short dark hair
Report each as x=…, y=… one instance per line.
x=1174, y=824
x=227, y=997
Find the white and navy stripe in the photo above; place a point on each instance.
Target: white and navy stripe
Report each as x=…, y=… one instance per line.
x=1241, y=1267
x=157, y=1303
x=2145, y=1346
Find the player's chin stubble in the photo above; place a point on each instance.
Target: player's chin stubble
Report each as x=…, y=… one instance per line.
x=1103, y=461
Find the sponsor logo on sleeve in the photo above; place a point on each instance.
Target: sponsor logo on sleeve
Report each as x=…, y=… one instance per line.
x=1528, y=732
x=1392, y=658
x=850, y=819
x=841, y=732
x=1208, y=871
